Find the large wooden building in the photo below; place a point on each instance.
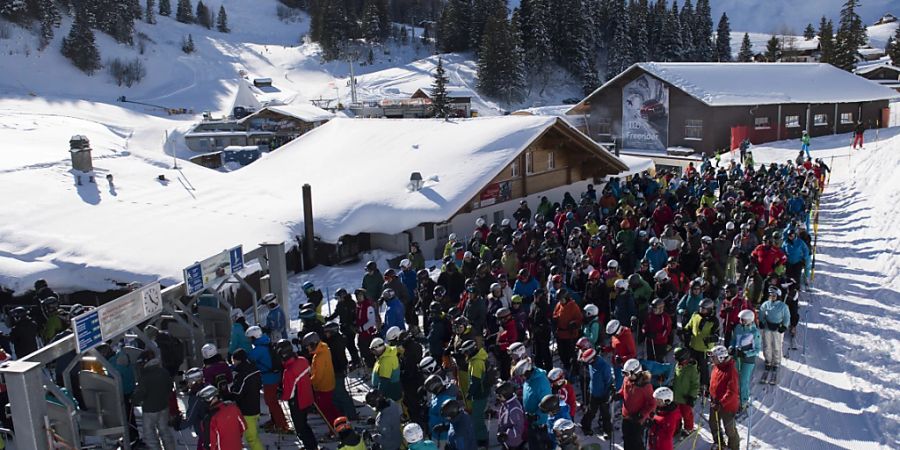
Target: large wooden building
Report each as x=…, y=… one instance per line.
x=651, y=108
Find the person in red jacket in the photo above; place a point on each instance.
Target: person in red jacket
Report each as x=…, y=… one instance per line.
x=637, y=404
x=665, y=422
x=509, y=335
x=724, y=394
x=368, y=322
x=662, y=216
x=732, y=304
x=768, y=256
x=776, y=209
x=657, y=329
x=296, y=389
x=622, y=345
x=226, y=424
x=563, y=389
x=679, y=280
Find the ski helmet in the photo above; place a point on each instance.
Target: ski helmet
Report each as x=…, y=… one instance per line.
x=612, y=264
x=405, y=264
x=374, y=397
x=523, y=368
x=284, y=349
x=310, y=339
x=342, y=424
x=392, y=335
x=505, y=390
x=720, y=353
x=657, y=302
x=469, y=348
x=774, y=291
x=661, y=276
x=747, y=316
x=193, y=375
x=208, y=394
x=556, y=376
x=707, y=305
x=549, y=404
x=632, y=366
x=681, y=354
x=208, y=351
x=621, y=284
x=613, y=327
x=450, y=409
x=439, y=291
x=517, y=351
x=18, y=313
x=434, y=384
x=428, y=365
x=377, y=346
x=664, y=395
x=591, y=311
x=387, y=294
x=272, y=299
x=564, y=430
x=503, y=313
x=587, y=355
x=583, y=343
x=412, y=433
x=331, y=327
x=253, y=332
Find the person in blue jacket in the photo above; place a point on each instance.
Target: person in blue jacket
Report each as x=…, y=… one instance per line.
x=276, y=322
x=745, y=343
x=526, y=285
x=238, y=328
x=261, y=356
x=661, y=373
x=797, y=256
x=537, y=385
x=394, y=316
x=461, y=435
x=657, y=255
x=796, y=206
x=774, y=319
x=601, y=388
x=690, y=302
x=440, y=393
x=408, y=277
x=555, y=409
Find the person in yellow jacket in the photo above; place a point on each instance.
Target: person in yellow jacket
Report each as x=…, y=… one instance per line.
x=702, y=334
x=386, y=372
x=321, y=376
x=479, y=389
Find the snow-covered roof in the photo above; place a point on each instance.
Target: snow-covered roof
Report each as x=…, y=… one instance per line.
x=246, y=96
x=359, y=169
x=872, y=67
x=735, y=84
x=301, y=111
x=636, y=164
x=869, y=51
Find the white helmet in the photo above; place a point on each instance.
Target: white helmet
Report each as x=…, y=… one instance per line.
x=556, y=375
x=661, y=275
x=747, y=316
x=393, y=333
x=720, y=353
x=405, y=264
x=377, y=346
x=208, y=351
x=603, y=228
x=504, y=223
x=522, y=367
x=236, y=314
x=613, y=327
x=631, y=366
x=479, y=222
x=428, y=365
x=253, y=332
x=412, y=433
x=621, y=283
x=729, y=226
x=452, y=236
x=707, y=239
x=664, y=394
x=591, y=311
x=549, y=225
x=654, y=240
x=517, y=350
x=495, y=287
x=612, y=264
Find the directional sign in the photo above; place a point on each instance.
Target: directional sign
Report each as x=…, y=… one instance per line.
x=114, y=318
x=206, y=273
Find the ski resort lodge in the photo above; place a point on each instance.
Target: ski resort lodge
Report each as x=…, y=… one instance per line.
x=385, y=183
x=667, y=108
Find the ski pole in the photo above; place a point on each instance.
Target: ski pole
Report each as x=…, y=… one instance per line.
x=718, y=428
x=749, y=419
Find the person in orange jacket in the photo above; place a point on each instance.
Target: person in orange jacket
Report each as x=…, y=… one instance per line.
x=724, y=393
x=226, y=424
x=665, y=421
x=622, y=346
x=296, y=389
x=637, y=404
x=322, y=376
x=568, y=317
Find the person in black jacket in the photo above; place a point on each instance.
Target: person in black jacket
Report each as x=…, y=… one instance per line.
x=345, y=312
x=411, y=378
x=539, y=318
x=245, y=392
x=24, y=333
x=452, y=280
x=337, y=344
x=425, y=295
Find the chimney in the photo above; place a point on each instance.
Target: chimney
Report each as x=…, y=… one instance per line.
x=415, y=181
x=309, y=253
x=80, y=149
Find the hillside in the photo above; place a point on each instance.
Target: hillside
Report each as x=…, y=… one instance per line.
x=878, y=38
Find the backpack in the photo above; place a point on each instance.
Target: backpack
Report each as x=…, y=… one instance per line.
x=277, y=365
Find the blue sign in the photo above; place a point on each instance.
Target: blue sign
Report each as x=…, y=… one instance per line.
x=237, y=258
x=193, y=278
x=87, y=330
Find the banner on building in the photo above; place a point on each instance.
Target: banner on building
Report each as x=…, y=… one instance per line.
x=645, y=114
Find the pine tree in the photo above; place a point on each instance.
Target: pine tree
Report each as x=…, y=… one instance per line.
x=440, y=105
x=481, y=11
x=703, y=31
x=658, y=14
x=454, y=26
x=826, y=41
x=688, y=49
x=809, y=32
x=165, y=8
x=671, y=43
x=533, y=21
x=202, y=15
x=723, y=40
x=746, y=53
x=150, y=13
x=500, y=68
x=184, y=12
x=123, y=25
x=851, y=35
x=371, y=23
x=637, y=14
x=619, y=55
x=893, y=49
x=335, y=30
x=773, y=49
x=49, y=18
x=79, y=45
x=222, y=21
x=187, y=44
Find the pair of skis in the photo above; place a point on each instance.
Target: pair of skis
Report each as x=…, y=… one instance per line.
x=770, y=376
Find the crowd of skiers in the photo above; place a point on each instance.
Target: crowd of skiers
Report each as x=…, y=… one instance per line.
x=632, y=304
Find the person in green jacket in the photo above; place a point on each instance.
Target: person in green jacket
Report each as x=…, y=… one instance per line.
x=479, y=390
x=545, y=208
x=804, y=140
x=642, y=293
x=373, y=281
x=53, y=324
x=386, y=372
x=703, y=333
x=416, y=257
x=686, y=387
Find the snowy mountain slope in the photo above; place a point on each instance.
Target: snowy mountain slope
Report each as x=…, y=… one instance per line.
x=878, y=38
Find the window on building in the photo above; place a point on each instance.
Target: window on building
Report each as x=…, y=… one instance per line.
x=498, y=216
x=693, y=129
x=846, y=118
x=761, y=123
x=429, y=231
x=529, y=162
x=604, y=126
x=820, y=120
x=551, y=160
x=792, y=121
x=442, y=231
x=514, y=168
